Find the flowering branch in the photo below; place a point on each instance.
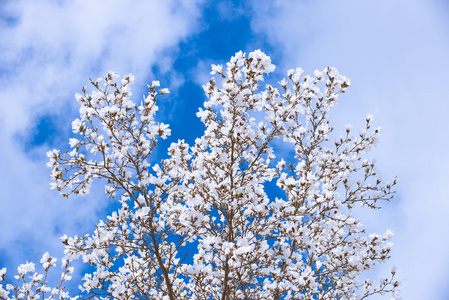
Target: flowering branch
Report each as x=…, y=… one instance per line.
x=304, y=244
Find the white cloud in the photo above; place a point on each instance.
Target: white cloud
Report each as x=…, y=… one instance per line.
x=48, y=50
x=51, y=50
x=396, y=55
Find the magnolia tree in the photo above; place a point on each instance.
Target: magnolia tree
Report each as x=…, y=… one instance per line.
x=211, y=197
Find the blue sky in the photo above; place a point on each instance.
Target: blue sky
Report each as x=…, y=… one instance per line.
x=395, y=52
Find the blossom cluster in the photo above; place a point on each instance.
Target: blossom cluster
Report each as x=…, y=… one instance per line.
x=304, y=243
x=33, y=285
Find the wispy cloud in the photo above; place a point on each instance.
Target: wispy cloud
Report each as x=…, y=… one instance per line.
x=396, y=55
